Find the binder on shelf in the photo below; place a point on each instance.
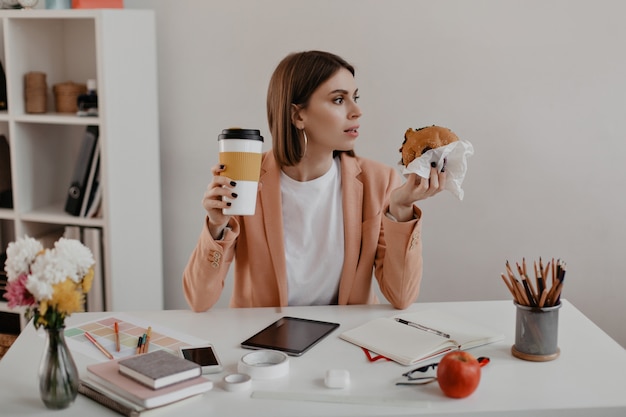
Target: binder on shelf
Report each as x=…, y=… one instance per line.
x=4, y=105
x=3, y=275
x=6, y=193
x=77, y=189
x=95, y=194
x=90, y=186
x=92, y=237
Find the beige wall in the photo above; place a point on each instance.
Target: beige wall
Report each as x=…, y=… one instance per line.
x=537, y=86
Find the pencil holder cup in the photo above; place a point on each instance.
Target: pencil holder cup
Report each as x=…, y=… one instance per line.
x=536, y=333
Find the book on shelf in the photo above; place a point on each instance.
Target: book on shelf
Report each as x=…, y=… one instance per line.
x=123, y=406
x=107, y=375
x=6, y=190
x=159, y=369
x=72, y=232
x=92, y=239
x=4, y=105
x=92, y=183
x=95, y=195
x=82, y=169
x=412, y=337
x=3, y=275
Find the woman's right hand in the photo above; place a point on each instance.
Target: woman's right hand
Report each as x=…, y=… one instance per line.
x=213, y=202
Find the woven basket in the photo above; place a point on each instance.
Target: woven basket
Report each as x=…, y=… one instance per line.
x=65, y=96
x=35, y=92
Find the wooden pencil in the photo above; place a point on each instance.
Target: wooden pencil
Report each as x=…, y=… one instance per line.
x=511, y=290
x=557, y=294
x=523, y=295
x=528, y=286
x=544, y=296
x=539, y=279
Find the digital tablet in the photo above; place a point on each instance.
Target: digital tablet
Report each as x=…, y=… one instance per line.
x=291, y=335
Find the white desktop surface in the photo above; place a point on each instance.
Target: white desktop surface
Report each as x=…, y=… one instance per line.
x=587, y=379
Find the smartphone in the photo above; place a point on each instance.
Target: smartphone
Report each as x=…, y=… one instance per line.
x=204, y=355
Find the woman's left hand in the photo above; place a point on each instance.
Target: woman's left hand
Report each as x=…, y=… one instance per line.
x=414, y=189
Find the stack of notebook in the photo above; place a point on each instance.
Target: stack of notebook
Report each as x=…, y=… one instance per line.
x=134, y=385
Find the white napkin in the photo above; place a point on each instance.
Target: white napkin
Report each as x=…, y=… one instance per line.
x=455, y=153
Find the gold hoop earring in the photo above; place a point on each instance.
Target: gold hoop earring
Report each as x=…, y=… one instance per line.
x=306, y=142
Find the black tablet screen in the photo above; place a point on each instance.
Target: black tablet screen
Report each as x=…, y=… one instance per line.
x=291, y=335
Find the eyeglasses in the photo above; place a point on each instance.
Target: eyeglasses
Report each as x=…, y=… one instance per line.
x=423, y=380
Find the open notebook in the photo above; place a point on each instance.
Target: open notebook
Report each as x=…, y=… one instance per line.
x=408, y=344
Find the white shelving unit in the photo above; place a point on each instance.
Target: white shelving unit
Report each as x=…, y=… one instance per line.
x=118, y=49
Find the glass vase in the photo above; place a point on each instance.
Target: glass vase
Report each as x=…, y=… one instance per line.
x=58, y=375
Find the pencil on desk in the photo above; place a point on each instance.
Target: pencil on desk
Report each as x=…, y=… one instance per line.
x=148, y=334
x=117, y=336
x=138, y=350
x=98, y=345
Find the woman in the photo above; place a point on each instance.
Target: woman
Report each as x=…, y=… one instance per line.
x=325, y=220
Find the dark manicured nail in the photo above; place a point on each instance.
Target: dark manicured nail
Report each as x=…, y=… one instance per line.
x=433, y=164
x=234, y=195
x=229, y=204
x=233, y=183
x=222, y=166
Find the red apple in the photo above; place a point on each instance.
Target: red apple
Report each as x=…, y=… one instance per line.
x=458, y=374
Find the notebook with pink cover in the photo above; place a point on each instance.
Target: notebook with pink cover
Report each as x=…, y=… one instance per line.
x=107, y=374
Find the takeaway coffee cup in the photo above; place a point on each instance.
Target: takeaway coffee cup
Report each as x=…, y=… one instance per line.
x=240, y=153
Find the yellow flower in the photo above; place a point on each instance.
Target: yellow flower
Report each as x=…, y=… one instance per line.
x=43, y=307
x=66, y=298
x=88, y=280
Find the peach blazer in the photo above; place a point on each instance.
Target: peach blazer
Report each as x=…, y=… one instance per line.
x=374, y=245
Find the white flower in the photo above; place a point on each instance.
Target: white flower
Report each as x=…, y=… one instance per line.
x=20, y=254
x=46, y=270
x=39, y=288
x=78, y=258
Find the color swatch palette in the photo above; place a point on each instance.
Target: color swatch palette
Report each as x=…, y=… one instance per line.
x=130, y=330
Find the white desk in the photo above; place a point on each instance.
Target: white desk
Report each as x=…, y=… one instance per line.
x=589, y=377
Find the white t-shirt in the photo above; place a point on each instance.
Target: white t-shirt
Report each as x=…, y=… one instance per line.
x=314, y=239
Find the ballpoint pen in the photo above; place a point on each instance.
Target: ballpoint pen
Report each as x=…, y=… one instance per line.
x=424, y=328
x=99, y=346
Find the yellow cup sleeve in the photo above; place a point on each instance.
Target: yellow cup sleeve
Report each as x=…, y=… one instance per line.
x=241, y=166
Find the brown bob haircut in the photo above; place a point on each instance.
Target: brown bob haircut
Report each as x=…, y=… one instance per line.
x=294, y=80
